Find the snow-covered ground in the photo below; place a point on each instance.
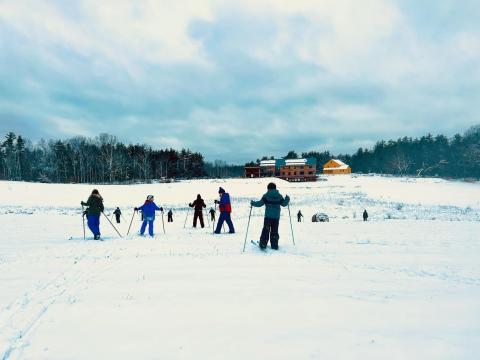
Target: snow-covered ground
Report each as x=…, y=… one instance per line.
x=404, y=285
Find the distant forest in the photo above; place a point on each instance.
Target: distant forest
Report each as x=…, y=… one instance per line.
x=104, y=159
x=458, y=157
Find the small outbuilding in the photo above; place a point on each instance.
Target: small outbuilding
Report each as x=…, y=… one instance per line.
x=335, y=166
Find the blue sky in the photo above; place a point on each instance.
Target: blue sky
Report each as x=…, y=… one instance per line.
x=239, y=79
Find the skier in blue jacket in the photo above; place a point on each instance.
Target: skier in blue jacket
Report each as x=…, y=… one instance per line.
x=148, y=210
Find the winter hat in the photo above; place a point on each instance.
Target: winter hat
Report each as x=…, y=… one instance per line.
x=271, y=186
x=95, y=192
x=221, y=190
x=150, y=197
x=199, y=197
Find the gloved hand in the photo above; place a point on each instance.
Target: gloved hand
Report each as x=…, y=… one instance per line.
x=161, y=209
x=135, y=209
x=82, y=203
x=287, y=197
x=251, y=202
x=216, y=201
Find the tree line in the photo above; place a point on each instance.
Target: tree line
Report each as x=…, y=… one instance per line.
x=102, y=159
x=457, y=157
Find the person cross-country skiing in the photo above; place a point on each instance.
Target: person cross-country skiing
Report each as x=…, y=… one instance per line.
x=225, y=210
x=299, y=216
x=117, y=214
x=212, y=214
x=272, y=200
x=198, y=206
x=365, y=215
x=94, y=209
x=148, y=210
x=170, y=216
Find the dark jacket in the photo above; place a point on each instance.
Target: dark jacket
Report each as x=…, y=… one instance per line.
x=198, y=204
x=117, y=212
x=95, y=205
x=272, y=201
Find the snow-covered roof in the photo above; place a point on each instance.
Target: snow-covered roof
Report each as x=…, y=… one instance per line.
x=290, y=162
x=268, y=163
x=340, y=162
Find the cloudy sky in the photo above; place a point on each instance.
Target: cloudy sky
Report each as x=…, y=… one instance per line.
x=240, y=79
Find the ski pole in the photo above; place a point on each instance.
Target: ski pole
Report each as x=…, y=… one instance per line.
x=111, y=224
x=163, y=224
x=186, y=217
x=83, y=220
x=133, y=215
x=291, y=227
x=214, y=219
x=246, y=233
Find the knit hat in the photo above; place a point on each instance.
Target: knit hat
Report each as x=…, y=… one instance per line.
x=150, y=197
x=221, y=190
x=271, y=186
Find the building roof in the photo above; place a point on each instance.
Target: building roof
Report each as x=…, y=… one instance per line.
x=307, y=161
x=340, y=162
x=268, y=163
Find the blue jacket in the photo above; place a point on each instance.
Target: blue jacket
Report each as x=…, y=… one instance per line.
x=148, y=209
x=225, y=205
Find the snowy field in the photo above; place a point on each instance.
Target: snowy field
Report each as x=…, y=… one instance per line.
x=404, y=285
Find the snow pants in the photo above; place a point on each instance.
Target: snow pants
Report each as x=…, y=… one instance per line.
x=144, y=226
x=170, y=218
x=198, y=215
x=224, y=217
x=270, y=230
x=93, y=222
x=117, y=217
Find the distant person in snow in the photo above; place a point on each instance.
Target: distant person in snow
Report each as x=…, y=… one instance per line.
x=170, y=216
x=365, y=215
x=198, y=206
x=299, y=216
x=117, y=214
x=94, y=209
x=225, y=211
x=272, y=200
x=212, y=214
x=148, y=211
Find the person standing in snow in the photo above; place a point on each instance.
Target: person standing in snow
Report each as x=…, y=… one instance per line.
x=170, y=216
x=212, y=214
x=299, y=216
x=365, y=215
x=225, y=211
x=117, y=214
x=198, y=206
x=94, y=208
x=272, y=200
x=148, y=211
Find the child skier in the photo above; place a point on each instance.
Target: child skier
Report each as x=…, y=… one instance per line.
x=95, y=207
x=148, y=211
x=170, y=215
x=198, y=205
x=212, y=214
x=365, y=215
x=272, y=200
x=299, y=216
x=225, y=210
x=117, y=214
